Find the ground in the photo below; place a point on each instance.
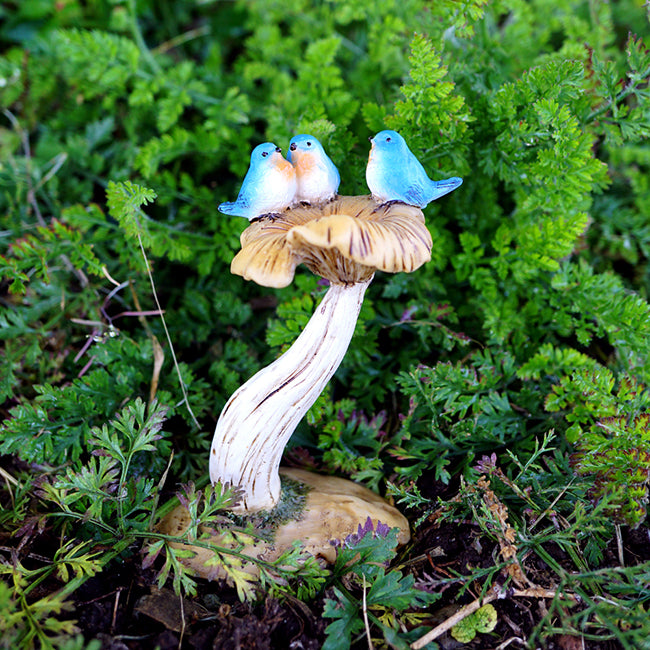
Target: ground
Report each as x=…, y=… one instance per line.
x=123, y=608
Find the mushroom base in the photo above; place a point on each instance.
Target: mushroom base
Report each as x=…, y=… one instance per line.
x=334, y=508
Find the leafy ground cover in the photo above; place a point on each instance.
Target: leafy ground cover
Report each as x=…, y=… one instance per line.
x=498, y=395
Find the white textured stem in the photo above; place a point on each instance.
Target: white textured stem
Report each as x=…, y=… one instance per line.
x=258, y=420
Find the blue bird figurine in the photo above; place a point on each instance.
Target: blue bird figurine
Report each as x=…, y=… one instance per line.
x=269, y=186
x=395, y=174
x=318, y=178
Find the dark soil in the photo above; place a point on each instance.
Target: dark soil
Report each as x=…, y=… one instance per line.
x=123, y=608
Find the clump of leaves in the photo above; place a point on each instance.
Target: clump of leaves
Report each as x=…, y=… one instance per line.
x=610, y=430
x=112, y=492
x=483, y=620
x=387, y=596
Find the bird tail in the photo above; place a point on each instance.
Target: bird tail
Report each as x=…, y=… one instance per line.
x=227, y=208
x=440, y=188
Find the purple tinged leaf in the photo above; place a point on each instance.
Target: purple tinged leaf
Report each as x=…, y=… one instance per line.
x=407, y=313
x=486, y=464
x=382, y=529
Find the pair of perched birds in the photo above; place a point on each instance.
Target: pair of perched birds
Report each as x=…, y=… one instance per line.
x=273, y=184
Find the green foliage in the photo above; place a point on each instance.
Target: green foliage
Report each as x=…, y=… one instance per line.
x=482, y=620
x=53, y=244
x=623, y=618
x=210, y=527
x=464, y=409
x=37, y=624
x=610, y=429
x=362, y=559
x=124, y=124
x=56, y=425
x=353, y=443
x=112, y=490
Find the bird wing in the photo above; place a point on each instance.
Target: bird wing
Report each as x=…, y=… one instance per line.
x=415, y=193
x=250, y=188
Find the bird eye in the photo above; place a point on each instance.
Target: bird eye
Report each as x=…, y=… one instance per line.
x=388, y=139
x=308, y=143
x=264, y=154
x=278, y=149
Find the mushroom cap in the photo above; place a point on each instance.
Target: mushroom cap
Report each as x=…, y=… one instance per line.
x=344, y=241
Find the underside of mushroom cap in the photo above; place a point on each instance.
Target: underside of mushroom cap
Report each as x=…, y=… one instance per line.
x=344, y=241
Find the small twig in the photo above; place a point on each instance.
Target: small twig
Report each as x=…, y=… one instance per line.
x=158, y=352
x=117, y=600
x=108, y=276
x=181, y=39
x=113, y=291
x=98, y=598
x=141, y=314
x=149, y=312
x=168, y=336
x=180, y=637
x=83, y=321
x=463, y=612
x=619, y=544
x=158, y=360
x=9, y=480
x=454, y=619
x=84, y=370
x=364, y=609
x=514, y=639
x=8, y=477
x=89, y=341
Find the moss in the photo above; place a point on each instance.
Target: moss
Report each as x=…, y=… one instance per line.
x=289, y=508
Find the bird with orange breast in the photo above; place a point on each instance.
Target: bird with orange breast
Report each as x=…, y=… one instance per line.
x=317, y=176
x=269, y=186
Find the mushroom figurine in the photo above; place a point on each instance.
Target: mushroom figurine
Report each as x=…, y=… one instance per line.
x=344, y=241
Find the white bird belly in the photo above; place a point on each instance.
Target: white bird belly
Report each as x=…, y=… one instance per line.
x=278, y=192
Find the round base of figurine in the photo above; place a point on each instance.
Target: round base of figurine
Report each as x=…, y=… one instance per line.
x=333, y=509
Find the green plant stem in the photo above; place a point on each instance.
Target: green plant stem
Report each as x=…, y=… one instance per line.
x=139, y=40
x=79, y=517
x=624, y=94
x=72, y=585
x=169, y=505
x=210, y=547
x=119, y=547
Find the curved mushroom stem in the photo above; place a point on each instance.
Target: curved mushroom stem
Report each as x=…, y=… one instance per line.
x=259, y=418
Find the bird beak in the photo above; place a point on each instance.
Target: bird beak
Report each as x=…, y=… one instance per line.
x=370, y=138
x=292, y=146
